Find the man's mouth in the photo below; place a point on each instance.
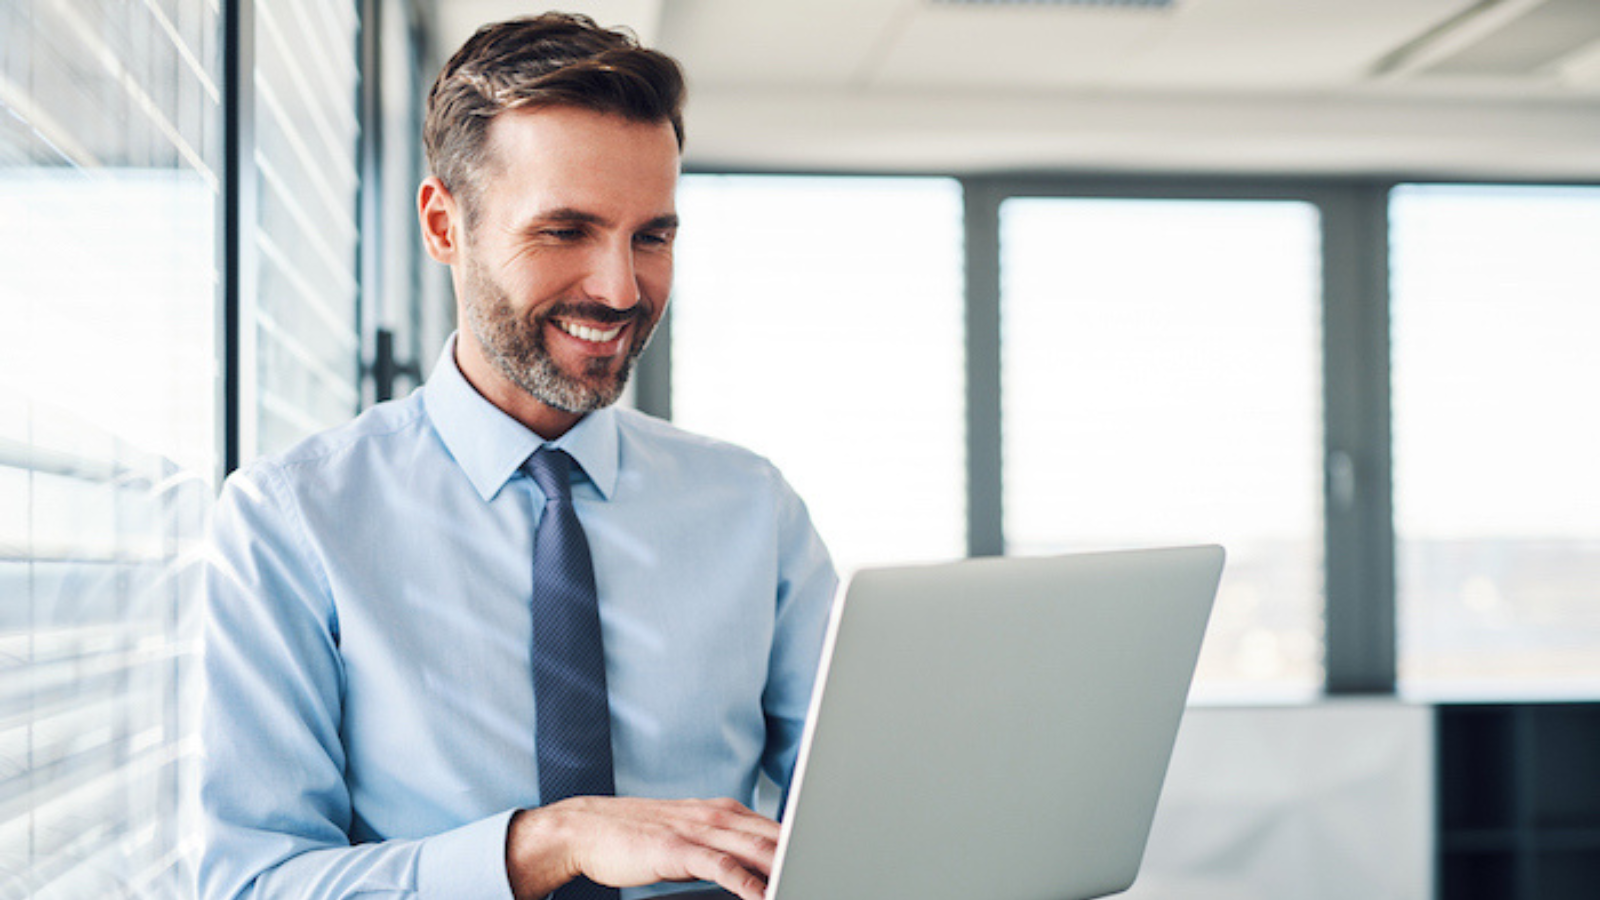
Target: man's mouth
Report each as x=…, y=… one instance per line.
x=587, y=333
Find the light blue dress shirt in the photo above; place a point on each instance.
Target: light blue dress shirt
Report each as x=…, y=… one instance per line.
x=368, y=721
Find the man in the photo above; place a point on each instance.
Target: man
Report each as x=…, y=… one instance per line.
x=404, y=624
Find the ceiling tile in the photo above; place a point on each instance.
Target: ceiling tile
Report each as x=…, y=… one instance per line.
x=1027, y=47
x=739, y=43
x=1532, y=44
x=1279, y=45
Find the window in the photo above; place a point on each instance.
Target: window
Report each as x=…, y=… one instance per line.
x=109, y=185
x=1496, y=311
x=307, y=342
x=1160, y=369
x=818, y=321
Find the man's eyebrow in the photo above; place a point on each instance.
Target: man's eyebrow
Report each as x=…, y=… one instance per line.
x=569, y=215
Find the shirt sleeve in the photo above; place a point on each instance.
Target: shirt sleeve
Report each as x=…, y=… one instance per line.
x=807, y=584
x=275, y=808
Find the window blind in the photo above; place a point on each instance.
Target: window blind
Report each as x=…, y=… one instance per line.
x=307, y=129
x=109, y=118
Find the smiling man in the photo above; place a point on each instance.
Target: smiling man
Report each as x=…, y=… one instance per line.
x=502, y=639
x=565, y=267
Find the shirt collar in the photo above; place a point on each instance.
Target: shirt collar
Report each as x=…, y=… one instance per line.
x=490, y=446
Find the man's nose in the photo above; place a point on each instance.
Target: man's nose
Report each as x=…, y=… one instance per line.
x=613, y=279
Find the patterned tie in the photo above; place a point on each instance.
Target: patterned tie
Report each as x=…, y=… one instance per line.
x=573, y=728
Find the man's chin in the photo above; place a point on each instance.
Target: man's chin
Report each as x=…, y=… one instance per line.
x=578, y=394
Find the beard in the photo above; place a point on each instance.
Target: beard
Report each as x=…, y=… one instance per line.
x=516, y=345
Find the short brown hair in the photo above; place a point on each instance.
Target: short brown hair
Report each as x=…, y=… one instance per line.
x=554, y=59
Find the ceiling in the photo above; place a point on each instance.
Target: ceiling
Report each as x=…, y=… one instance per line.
x=1421, y=88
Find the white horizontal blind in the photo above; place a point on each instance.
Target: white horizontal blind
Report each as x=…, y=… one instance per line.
x=109, y=118
x=307, y=126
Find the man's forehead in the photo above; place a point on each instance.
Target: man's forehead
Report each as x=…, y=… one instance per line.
x=553, y=129
x=584, y=164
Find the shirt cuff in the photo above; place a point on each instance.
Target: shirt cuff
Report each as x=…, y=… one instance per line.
x=468, y=863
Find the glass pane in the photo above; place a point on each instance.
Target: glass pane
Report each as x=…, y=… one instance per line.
x=306, y=129
x=818, y=321
x=1161, y=369
x=109, y=185
x=1496, y=307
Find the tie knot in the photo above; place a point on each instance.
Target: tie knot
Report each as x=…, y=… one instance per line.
x=551, y=470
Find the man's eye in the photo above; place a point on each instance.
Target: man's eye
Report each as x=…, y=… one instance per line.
x=654, y=238
x=563, y=234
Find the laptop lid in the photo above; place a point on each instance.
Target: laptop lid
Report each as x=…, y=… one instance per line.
x=994, y=728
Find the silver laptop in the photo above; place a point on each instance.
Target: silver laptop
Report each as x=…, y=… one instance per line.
x=994, y=729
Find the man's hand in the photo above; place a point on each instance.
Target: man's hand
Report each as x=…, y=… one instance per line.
x=626, y=841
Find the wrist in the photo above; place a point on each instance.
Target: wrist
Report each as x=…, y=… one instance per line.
x=539, y=855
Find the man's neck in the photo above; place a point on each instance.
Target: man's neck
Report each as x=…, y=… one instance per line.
x=542, y=419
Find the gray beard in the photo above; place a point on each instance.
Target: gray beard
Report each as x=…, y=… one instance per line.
x=517, y=349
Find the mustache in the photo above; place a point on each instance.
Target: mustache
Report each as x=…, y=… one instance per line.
x=596, y=312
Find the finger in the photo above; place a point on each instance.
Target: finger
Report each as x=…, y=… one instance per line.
x=754, y=852
x=730, y=827
x=727, y=872
x=735, y=816
x=725, y=815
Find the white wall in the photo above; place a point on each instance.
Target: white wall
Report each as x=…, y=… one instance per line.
x=1332, y=801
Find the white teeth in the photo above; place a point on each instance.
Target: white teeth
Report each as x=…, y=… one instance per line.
x=585, y=333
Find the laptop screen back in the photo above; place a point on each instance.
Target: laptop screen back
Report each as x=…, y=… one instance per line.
x=994, y=728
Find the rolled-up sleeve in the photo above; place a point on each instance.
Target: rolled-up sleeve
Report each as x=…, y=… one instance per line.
x=275, y=806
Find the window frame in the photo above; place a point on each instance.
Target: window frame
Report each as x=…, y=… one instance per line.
x=1358, y=569
x=1359, y=577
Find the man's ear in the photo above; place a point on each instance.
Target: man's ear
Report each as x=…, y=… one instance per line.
x=442, y=221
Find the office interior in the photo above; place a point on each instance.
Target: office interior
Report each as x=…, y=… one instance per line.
x=1318, y=280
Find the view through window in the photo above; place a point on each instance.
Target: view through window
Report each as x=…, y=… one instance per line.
x=109, y=189
x=1161, y=377
x=1496, y=309
x=818, y=321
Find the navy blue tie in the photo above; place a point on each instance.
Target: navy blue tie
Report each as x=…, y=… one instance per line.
x=573, y=715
